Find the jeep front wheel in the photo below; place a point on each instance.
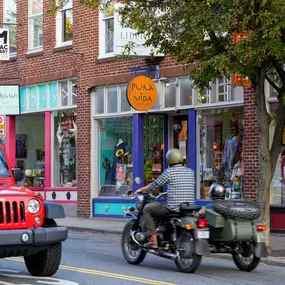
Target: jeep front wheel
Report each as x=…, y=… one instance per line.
x=46, y=262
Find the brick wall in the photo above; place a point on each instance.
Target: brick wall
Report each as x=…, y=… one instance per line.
x=251, y=164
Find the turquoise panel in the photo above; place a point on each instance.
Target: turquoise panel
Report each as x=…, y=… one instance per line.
x=111, y=208
x=33, y=98
x=23, y=100
x=52, y=95
x=43, y=97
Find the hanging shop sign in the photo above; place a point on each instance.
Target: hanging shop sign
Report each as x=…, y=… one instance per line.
x=9, y=99
x=142, y=93
x=4, y=44
x=2, y=125
x=237, y=79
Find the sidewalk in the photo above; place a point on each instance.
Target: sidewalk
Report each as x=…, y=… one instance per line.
x=115, y=226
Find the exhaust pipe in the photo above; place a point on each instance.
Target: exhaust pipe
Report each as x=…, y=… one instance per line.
x=164, y=254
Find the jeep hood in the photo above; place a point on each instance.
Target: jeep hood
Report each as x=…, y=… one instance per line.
x=15, y=190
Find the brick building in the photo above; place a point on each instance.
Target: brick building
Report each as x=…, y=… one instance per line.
x=74, y=116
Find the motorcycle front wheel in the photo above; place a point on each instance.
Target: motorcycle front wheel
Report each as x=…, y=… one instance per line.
x=132, y=252
x=188, y=261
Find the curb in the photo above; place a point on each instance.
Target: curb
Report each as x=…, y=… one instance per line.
x=96, y=231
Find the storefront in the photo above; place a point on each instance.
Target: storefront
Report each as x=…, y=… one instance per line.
x=130, y=146
x=44, y=136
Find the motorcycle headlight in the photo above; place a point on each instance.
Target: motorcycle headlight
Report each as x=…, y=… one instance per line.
x=34, y=206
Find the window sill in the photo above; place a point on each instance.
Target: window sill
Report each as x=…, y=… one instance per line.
x=34, y=52
x=63, y=46
x=106, y=58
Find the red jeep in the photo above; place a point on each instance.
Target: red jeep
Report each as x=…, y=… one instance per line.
x=27, y=226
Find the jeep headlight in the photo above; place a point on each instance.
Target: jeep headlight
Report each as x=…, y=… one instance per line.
x=33, y=206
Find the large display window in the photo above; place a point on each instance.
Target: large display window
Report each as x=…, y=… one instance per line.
x=153, y=147
x=30, y=148
x=116, y=166
x=64, y=172
x=221, y=151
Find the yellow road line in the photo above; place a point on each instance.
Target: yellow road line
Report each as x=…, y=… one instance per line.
x=104, y=273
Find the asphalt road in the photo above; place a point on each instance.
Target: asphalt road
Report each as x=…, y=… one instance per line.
x=96, y=259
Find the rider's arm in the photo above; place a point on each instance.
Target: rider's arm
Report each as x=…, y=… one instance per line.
x=159, y=182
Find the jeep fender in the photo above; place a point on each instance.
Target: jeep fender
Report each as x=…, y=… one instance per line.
x=53, y=210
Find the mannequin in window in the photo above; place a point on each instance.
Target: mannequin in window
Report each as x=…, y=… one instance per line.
x=121, y=150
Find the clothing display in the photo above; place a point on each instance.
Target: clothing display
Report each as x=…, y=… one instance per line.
x=121, y=150
x=230, y=148
x=236, y=181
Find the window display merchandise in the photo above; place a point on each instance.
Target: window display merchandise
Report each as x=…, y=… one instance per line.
x=221, y=151
x=153, y=147
x=116, y=156
x=65, y=173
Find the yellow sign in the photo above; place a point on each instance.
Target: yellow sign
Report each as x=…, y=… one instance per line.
x=2, y=125
x=142, y=93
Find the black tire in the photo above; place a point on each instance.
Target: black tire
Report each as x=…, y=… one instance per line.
x=252, y=263
x=46, y=262
x=237, y=209
x=129, y=247
x=186, y=241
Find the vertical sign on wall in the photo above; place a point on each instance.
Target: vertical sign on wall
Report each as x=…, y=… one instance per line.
x=2, y=125
x=4, y=44
x=52, y=95
x=23, y=100
x=33, y=98
x=43, y=97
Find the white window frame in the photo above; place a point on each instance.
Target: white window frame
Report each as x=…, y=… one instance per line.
x=70, y=83
x=30, y=25
x=226, y=83
x=60, y=25
x=102, y=35
x=7, y=23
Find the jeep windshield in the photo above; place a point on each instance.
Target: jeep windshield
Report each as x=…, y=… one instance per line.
x=4, y=168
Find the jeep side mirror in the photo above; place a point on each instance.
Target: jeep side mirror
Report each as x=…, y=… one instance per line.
x=17, y=174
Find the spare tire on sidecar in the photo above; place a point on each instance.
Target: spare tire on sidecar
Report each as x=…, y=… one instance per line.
x=237, y=209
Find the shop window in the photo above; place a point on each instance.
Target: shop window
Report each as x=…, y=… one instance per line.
x=112, y=99
x=186, y=91
x=9, y=22
x=170, y=94
x=116, y=166
x=64, y=149
x=277, y=186
x=4, y=168
x=221, y=147
x=35, y=24
x=223, y=86
x=153, y=147
x=73, y=93
x=30, y=149
x=64, y=93
x=125, y=106
x=99, y=101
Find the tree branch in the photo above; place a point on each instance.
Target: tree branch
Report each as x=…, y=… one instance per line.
x=271, y=82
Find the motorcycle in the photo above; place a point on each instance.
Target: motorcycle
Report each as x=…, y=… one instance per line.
x=234, y=229
x=181, y=237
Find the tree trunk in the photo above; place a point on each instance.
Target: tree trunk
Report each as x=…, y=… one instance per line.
x=267, y=157
x=265, y=171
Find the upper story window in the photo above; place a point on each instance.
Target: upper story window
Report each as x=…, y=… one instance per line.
x=64, y=23
x=9, y=22
x=35, y=24
x=106, y=28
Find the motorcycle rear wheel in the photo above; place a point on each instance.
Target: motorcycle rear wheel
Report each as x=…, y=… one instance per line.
x=247, y=263
x=186, y=242
x=132, y=252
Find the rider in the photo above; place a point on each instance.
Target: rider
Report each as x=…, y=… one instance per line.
x=216, y=192
x=181, y=188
